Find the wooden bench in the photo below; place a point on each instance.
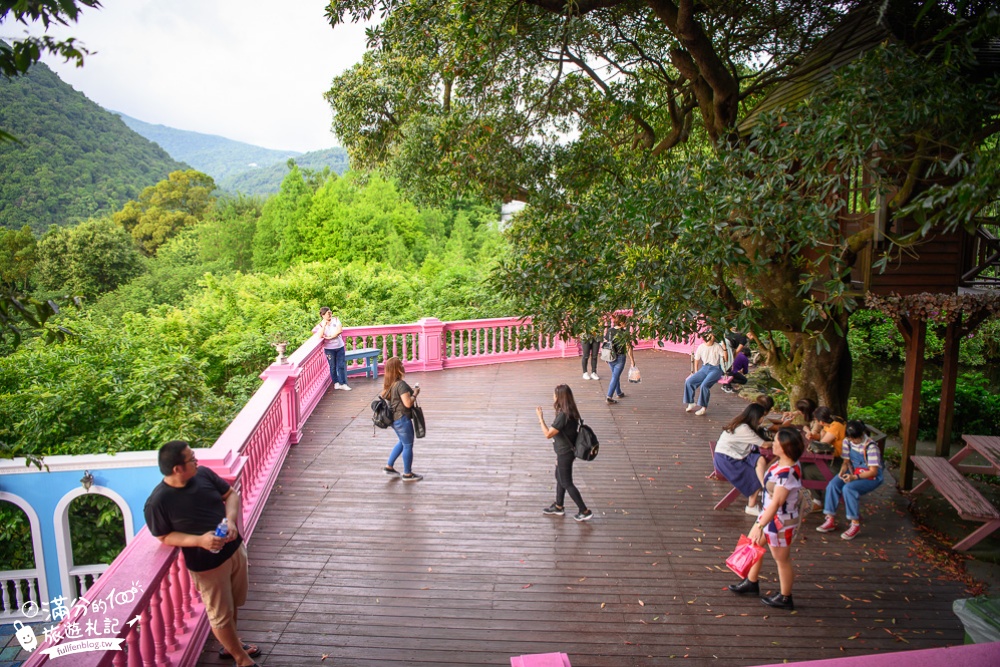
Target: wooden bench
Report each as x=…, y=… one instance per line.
x=963, y=496
x=370, y=357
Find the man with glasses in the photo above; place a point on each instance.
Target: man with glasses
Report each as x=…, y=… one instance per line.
x=184, y=511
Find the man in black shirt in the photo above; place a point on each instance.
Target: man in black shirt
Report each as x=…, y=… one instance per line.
x=184, y=511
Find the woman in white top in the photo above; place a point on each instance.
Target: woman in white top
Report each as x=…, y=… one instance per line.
x=708, y=360
x=737, y=455
x=330, y=331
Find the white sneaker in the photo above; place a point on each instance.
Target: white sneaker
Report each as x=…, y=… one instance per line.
x=593, y=376
x=586, y=376
x=701, y=412
x=344, y=387
x=752, y=510
x=691, y=407
x=336, y=385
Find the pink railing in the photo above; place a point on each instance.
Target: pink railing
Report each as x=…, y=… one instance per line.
x=148, y=580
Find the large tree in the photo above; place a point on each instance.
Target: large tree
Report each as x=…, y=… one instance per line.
x=617, y=120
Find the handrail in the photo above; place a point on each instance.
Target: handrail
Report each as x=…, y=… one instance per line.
x=150, y=580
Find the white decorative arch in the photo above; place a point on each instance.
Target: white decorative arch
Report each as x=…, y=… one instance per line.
x=60, y=520
x=36, y=541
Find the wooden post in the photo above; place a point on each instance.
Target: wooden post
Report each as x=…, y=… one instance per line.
x=915, y=334
x=949, y=380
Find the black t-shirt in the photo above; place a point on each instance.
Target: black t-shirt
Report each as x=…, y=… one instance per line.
x=735, y=339
x=195, y=509
x=565, y=440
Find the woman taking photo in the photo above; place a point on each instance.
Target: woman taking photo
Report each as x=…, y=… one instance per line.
x=563, y=436
x=737, y=455
x=402, y=398
x=330, y=332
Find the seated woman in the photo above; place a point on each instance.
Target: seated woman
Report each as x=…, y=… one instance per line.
x=737, y=455
x=832, y=434
x=860, y=473
x=800, y=418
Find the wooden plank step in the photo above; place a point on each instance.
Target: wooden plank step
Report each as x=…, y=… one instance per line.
x=956, y=489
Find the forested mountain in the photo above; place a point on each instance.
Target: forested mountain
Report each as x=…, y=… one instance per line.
x=267, y=180
x=216, y=156
x=237, y=167
x=74, y=160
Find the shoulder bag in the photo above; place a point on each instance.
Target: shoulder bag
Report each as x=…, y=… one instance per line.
x=417, y=415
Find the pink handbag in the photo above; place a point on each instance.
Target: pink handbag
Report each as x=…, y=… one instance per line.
x=746, y=554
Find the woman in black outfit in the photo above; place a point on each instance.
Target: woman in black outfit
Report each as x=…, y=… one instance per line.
x=563, y=434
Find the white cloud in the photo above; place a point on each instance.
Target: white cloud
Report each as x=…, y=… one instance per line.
x=249, y=70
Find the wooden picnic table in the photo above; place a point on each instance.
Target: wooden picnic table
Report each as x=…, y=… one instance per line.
x=947, y=476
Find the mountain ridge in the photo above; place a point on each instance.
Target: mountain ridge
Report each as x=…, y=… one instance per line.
x=73, y=160
x=235, y=166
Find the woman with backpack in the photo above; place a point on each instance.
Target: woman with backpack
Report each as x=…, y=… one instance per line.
x=860, y=473
x=563, y=432
x=616, y=349
x=402, y=398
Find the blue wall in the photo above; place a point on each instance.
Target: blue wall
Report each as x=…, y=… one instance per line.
x=43, y=491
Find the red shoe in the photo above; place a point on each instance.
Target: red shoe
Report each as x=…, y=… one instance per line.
x=851, y=532
x=829, y=525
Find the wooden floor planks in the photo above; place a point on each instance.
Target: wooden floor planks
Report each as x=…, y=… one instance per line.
x=463, y=568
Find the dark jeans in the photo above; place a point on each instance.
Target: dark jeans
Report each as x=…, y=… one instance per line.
x=564, y=481
x=592, y=349
x=337, y=358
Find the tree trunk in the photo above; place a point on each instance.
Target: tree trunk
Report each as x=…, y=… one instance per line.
x=822, y=375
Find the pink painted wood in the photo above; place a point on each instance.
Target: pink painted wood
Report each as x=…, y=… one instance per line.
x=157, y=629
x=167, y=587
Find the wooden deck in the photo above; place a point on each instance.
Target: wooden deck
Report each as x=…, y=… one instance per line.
x=350, y=567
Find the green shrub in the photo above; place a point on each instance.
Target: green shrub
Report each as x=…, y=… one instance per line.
x=97, y=529
x=16, y=549
x=977, y=409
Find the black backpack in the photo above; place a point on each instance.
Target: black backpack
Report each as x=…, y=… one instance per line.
x=381, y=412
x=587, y=447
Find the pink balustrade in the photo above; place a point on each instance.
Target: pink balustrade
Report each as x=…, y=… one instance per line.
x=146, y=596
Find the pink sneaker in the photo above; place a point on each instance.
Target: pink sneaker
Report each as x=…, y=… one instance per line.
x=828, y=526
x=851, y=532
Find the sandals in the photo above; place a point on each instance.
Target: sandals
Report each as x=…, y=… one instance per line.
x=252, y=650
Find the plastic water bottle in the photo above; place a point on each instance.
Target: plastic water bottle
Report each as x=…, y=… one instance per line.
x=222, y=530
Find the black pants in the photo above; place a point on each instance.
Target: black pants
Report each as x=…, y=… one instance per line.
x=564, y=481
x=591, y=348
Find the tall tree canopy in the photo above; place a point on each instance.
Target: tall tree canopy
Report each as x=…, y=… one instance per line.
x=617, y=119
x=162, y=210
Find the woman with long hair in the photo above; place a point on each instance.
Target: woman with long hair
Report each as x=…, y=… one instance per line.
x=779, y=521
x=402, y=398
x=621, y=346
x=737, y=455
x=562, y=432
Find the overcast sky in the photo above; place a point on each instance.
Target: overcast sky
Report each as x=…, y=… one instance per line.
x=250, y=70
